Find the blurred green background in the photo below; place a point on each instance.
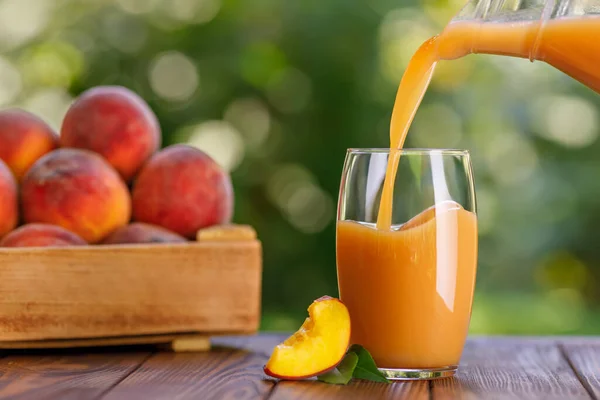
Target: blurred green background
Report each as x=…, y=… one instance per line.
x=276, y=90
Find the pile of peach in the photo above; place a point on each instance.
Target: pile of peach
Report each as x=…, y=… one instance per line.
x=103, y=180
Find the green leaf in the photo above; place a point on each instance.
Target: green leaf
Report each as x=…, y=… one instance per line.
x=366, y=368
x=342, y=374
x=357, y=363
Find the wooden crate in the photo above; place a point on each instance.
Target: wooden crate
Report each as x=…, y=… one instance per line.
x=128, y=293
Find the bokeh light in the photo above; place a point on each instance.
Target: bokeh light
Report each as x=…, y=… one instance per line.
x=442, y=11
x=22, y=20
x=511, y=158
x=294, y=190
x=221, y=141
x=567, y=120
x=125, y=33
x=251, y=117
x=197, y=11
x=138, y=6
x=401, y=33
x=174, y=76
x=282, y=181
x=436, y=125
x=52, y=64
x=10, y=82
x=51, y=104
x=309, y=208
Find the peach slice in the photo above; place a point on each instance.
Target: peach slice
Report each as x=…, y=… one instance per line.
x=429, y=213
x=317, y=347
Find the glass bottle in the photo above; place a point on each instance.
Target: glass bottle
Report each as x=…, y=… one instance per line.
x=563, y=33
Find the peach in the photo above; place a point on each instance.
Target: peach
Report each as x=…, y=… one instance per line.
x=182, y=189
x=317, y=347
x=139, y=232
x=116, y=123
x=24, y=138
x=78, y=190
x=9, y=206
x=429, y=213
x=41, y=235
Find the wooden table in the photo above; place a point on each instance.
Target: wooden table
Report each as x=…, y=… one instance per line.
x=492, y=368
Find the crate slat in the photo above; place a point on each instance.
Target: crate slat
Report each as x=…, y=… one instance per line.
x=108, y=291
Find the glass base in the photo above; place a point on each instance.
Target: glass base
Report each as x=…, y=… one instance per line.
x=403, y=374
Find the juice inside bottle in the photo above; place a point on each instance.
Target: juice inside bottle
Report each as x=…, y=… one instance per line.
x=569, y=44
x=385, y=276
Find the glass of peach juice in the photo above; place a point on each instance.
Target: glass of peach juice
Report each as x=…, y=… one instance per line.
x=407, y=260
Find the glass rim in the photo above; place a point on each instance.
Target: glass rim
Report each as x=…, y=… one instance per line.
x=408, y=151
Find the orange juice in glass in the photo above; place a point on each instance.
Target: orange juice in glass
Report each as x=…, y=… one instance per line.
x=409, y=286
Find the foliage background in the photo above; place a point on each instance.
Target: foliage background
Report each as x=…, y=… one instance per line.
x=276, y=91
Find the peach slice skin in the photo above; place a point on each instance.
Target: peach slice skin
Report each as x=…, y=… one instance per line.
x=317, y=347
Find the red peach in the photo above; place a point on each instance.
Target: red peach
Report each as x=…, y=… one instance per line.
x=24, y=138
x=182, y=189
x=116, y=123
x=138, y=232
x=41, y=235
x=78, y=190
x=9, y=206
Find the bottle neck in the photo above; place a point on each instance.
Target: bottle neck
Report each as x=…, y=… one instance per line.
x=550, y=8
x=497, y=27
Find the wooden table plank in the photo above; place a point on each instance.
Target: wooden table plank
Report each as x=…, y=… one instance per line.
x=584, y=357
x=511, y=368
x=355, y=390
x=492, y=368
x=219, y=374
x=64, y=376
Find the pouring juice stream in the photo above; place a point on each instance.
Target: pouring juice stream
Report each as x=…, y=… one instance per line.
x=568, y=44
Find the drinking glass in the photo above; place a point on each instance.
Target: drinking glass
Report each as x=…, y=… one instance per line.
x=408, y=286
